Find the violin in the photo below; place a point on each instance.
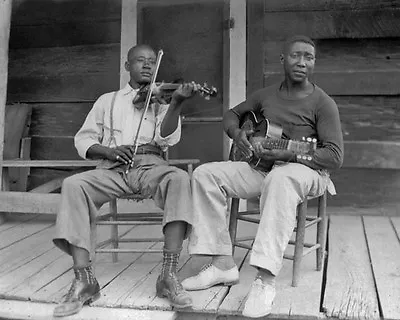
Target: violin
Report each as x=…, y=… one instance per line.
x=162, y=92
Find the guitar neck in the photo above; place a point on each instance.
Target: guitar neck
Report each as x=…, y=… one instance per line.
x=283, y=144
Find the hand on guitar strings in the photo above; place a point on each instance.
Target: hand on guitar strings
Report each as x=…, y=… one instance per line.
x=270, y=154
x=242, y=142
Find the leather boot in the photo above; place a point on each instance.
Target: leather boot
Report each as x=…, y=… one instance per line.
x=168, y=286
x=78, y=295
x=84, y=290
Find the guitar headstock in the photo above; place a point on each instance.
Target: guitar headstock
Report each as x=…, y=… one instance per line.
x=208, y=92
x=305, y=148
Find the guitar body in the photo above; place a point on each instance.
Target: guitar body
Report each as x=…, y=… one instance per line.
x=272, y=133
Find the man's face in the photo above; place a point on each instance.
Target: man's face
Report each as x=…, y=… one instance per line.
x=141, y=65
x=299, y=61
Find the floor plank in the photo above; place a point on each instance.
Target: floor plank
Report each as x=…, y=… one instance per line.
x=115, y=292
x=396, y=225
x=17, y=220
x=31, y=268
x=350, y=290
x=22, y=252
x=18, y=276
x=384, y=248
x=304, y=300
x=293, y=302
x=44, y=311
x=21, y=232
x=43, y=290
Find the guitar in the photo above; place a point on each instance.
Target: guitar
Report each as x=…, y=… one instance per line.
x=272, y=133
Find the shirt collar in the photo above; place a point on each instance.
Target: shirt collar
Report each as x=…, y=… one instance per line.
x=128, y=90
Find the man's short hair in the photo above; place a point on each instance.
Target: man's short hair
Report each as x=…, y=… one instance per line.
x=138, y=46
x=297, y=38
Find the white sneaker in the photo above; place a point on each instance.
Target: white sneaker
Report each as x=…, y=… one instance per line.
x=259, y=299
x=210, y=276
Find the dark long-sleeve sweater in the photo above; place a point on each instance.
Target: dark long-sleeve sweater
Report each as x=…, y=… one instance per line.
x=315, y=116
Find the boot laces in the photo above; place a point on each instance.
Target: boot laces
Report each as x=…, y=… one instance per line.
x=68, y=296
x=176, y=283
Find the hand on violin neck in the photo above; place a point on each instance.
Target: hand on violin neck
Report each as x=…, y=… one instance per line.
x=184, y=91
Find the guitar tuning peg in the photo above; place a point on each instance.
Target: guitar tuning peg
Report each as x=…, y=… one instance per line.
x=309, y=158
x=303, y=139
x=298, y=156
x=314, y=140
x=207, y=97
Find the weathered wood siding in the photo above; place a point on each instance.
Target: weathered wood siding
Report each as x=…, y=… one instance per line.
x=358, y=65
x=63, y=56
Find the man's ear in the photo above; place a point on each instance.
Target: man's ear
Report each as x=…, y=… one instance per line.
x=282, y=58
x=126, y=65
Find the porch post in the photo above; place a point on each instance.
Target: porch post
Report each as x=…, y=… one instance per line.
x=128, y=35
x=5, y=20
x=234, y=69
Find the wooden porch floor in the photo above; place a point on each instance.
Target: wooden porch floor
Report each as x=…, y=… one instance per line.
x=361, y=279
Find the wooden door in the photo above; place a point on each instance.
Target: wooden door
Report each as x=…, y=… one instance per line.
x=191, y=36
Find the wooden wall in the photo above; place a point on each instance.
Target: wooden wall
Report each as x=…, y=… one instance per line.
x=63, y=55
x=358, y=64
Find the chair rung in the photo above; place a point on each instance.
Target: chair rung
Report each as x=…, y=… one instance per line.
x=140, y=240
x=288, y=256
x=248, y=238
x=127, y=223
x=305, y=245
x=243, y=245
x=254, y=220
x=311, y=249
x=309, y=224
x=248, y=212
x=312, y=222
x=129, y=250
x=305, y=252
x=103, y=243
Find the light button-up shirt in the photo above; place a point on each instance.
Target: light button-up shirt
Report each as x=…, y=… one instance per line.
x=119, y=127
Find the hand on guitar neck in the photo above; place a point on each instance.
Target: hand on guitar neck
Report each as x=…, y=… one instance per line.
x=270, y=154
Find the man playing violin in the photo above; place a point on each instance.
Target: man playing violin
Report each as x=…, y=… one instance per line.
x=109, y=134
x=302, y=109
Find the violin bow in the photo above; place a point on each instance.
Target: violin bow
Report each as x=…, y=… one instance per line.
x=146, y=107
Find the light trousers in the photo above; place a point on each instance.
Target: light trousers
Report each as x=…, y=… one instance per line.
x=280, y=191
x=83, y=194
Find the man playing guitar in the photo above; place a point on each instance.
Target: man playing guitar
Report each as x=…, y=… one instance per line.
x=302, y=109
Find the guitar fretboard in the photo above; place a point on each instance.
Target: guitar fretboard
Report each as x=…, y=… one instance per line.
x=276, y=144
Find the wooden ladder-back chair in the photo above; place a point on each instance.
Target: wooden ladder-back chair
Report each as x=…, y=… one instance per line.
x=304, y=221
x=115, y=219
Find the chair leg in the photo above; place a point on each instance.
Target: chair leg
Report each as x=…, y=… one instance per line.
x=114, y=228
x=298, y=250
x=233, y=222
x=93, y=240
x=321, y=230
